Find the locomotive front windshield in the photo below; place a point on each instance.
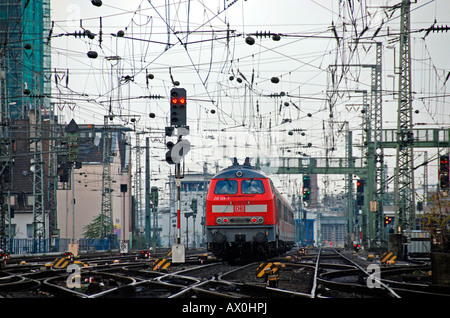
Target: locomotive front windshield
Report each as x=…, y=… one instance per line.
x=252, y=186
x=226, y=187
x=247, y=218
x=231, y=187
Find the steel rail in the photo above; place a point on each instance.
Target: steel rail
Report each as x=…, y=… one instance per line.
x=378, y=280
x=316, y=271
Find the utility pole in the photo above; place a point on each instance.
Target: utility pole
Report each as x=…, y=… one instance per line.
x=106, y=208
x=143, y=206
x=137, y=185
x=106, y=178
x=372, y=124
x=378, y=155
x=52, y=177
x=154, y=204
x=350, y=217
x=374, y=152
x=5, y=160
x=72, y=157
x=404, y=176
x=147, y=190
x=39, y=219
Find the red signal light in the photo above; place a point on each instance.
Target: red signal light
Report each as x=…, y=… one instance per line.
x=180, y=101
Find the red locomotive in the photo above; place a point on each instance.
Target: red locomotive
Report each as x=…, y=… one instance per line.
x=246, y=217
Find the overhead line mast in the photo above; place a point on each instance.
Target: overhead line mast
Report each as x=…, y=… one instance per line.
x=404, y=177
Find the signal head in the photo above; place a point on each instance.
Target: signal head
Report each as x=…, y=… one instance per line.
x=178, y=107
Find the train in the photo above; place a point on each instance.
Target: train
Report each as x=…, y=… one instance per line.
x=246, y=216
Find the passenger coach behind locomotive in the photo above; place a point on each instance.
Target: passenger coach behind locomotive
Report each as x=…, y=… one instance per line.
x=246, y=217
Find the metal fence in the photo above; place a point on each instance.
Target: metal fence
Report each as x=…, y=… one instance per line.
x=30, y=246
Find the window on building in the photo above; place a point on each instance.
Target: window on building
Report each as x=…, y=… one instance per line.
x=30, y=199
x=30, y=231
x=192, y=186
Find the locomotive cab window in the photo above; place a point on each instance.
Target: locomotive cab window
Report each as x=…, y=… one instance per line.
x=252, y=186
x=226, y=187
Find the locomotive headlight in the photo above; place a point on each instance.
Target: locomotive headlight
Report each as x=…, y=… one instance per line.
x=258, y=220
x=222, y=220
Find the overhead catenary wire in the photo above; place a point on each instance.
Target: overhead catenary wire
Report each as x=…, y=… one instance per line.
x=213, y=73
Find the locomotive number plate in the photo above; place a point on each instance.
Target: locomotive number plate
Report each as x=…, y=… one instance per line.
x=239, y=208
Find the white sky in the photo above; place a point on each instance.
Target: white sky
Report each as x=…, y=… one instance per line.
x=244, y=111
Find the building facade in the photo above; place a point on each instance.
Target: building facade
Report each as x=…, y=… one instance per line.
x=25, y=55
x=194, y=188
x=78, y=186
x=80, y=195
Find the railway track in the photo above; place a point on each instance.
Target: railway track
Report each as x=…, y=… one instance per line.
x=220, y=281
x=369, y=280
x=321, y=273
x=338, y=276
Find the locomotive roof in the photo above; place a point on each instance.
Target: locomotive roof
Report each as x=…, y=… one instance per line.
x=246, y=169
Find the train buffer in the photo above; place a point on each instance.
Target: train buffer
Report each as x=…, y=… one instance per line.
x=161, y=264
x=61, y=262
x=388, y=258
x=268, y=269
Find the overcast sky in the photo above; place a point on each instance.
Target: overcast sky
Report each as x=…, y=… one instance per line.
x=235, y=102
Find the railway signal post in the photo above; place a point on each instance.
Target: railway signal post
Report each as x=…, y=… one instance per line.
x=175, y=155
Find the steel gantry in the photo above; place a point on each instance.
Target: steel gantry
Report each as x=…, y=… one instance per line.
x=39, y=217
x=375, y=150
x=106, y=209
x=52, y=176
x=404, y=176
x=137, y=185
x=106, y=214
x=424, y=138
x=5, y=162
